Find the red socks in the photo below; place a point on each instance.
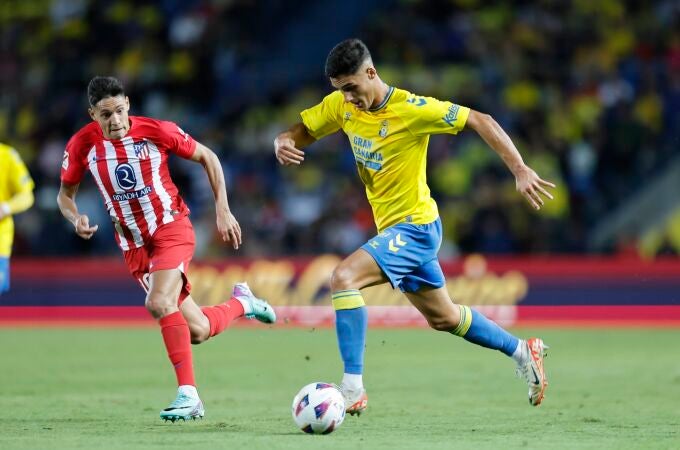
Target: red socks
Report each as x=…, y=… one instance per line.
x=177, y=340
x=221, y=315
x=177, y=337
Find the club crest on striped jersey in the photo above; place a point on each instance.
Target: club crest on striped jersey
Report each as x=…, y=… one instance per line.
x=125, y=176
x=141, y=149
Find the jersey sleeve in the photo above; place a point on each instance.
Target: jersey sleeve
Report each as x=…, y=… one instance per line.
x=20, y=179
x=73, y=163
x=177, y=140
x=428, y=115
x=324, y=118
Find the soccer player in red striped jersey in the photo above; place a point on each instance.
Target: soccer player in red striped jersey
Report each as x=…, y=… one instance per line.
x=128, y=159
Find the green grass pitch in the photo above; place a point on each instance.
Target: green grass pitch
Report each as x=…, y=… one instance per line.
x=103, y=388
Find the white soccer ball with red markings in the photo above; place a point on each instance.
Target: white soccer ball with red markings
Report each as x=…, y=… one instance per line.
x=318, y=408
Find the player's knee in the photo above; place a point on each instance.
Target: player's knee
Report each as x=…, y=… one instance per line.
x=159, y=305
x=342, y=278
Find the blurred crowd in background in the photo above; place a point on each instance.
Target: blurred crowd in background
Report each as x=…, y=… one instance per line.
x=588, y=90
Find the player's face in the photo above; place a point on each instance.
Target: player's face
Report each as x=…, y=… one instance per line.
x=358, y=88
x=112, y=115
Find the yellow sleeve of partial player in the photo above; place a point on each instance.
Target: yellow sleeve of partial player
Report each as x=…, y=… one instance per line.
x=20, y=180
x=428, y=115
x=326, y=117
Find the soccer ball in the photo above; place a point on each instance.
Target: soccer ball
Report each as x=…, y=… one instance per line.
x=318, y=408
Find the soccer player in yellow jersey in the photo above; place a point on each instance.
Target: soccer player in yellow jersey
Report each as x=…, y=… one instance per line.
x=16, y=195
x=388, y=129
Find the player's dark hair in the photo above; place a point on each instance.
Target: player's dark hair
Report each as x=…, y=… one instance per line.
x=103, y=87
x=346, y=58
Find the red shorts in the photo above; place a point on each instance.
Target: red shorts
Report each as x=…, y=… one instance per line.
x=170, y=247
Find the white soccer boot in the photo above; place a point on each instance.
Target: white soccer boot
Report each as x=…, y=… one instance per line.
x=532, y=370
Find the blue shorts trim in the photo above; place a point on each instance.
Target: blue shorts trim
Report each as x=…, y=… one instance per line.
x=407, y=255
x=4, y=275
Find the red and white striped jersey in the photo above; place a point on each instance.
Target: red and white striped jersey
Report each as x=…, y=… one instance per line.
x=132, y=174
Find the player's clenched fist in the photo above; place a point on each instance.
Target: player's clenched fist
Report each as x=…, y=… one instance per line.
x=286, y=152
x=83, y=228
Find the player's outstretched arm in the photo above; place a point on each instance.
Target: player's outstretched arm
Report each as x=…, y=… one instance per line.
x=288, y=145
x=67, y=205
x=528, y=183
x=227, y=225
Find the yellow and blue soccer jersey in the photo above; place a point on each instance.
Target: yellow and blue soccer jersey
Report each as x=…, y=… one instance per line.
x=389, y=143
x=14, y=179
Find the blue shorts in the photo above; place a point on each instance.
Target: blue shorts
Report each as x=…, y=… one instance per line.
x=407, y=254
x=4, y=275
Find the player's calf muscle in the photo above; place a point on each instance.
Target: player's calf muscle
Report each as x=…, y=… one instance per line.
x=199, y=338
x=200, y=332
x=447, y=324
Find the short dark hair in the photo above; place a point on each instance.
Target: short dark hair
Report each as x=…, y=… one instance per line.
x=346, y=58
x=103, y=87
